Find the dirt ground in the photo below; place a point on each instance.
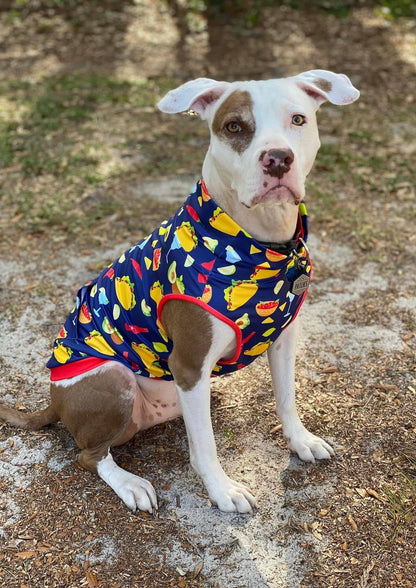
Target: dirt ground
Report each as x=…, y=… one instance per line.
x=347, y=522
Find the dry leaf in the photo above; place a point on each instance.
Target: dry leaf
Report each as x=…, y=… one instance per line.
x=362, y=492
x=352, y=523
x=91, y=579
x=25, y=554
x=388, y=387
x=19, y=405
x=198, y=568
x=374, y=494
x=329, y=370
x=317, y=534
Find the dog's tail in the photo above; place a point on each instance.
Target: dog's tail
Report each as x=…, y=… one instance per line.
x=35, y=420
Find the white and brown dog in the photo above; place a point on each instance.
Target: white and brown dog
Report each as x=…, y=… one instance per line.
x=246, y=217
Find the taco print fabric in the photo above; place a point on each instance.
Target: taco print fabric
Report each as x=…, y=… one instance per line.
x=200, y=254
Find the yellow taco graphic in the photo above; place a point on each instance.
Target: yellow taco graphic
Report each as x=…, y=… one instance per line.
x=263, y=272
x=161, y=331
x=97, y=342
x=62, y=353
x=221, y=221
x=185, y=234
x=206, y=294
x=149, y=358
x=156, y=292
x=125, y=292
x=239, y=293
x=259, y=348
x=178, y=287
x=205, y=195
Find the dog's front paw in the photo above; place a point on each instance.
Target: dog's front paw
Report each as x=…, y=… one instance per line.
x=309, y=447
x=232, y=496
x=135, y=492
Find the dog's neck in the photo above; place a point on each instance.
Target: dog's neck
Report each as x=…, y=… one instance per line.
x=274, y=222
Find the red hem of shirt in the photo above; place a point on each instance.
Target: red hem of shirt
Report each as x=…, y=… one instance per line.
x=76, y=368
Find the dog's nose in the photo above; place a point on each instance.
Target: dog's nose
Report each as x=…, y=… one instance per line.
x=277, y=162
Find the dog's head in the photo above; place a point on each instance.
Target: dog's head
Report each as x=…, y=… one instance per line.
x=264, y=135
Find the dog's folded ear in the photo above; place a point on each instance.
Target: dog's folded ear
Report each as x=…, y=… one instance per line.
x=324, y=85
x=195, y=95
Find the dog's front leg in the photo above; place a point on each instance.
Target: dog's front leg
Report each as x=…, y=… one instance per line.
x=282, y=356
x=199, y=341
x=228, y=495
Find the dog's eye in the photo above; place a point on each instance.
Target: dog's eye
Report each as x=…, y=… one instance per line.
x=233, y=127
x=298, y=120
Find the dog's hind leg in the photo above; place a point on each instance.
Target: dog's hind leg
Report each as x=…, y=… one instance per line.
x=98, y=410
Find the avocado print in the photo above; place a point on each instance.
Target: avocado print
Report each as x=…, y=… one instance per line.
x=172, y=272
x=243, y=321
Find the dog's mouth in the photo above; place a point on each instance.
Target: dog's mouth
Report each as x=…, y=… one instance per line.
x=276, y=193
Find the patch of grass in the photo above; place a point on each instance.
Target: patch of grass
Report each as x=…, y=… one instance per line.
x=230, y=436
x=58, y=112
x=398, y=511
x=60, y=137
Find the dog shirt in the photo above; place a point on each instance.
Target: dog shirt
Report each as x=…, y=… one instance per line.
x=201, y=255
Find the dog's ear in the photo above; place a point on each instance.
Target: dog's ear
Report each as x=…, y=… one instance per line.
x=324, y=85
x=194, y=95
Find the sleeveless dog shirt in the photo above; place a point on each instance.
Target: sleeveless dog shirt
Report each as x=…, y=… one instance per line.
x=201, y=255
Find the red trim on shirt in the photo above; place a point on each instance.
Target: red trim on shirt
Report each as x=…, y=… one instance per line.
x=214, y=312
x=76, y=368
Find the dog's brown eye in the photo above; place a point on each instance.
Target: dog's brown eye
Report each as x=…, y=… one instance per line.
x=233, y=127
x=298, y=120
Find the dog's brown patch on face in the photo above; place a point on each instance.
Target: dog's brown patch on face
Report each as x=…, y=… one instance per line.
x=238, y=109
x=189, y=327
x=322, y=84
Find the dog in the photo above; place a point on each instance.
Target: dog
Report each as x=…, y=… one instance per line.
x=213, y=287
